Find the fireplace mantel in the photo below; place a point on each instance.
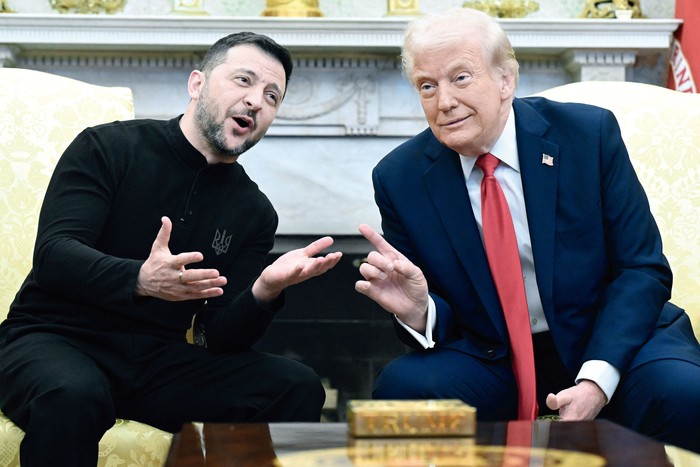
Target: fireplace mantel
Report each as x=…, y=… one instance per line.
x=347, y=104
x=33, y=32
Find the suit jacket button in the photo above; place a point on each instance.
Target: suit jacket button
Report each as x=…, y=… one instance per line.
x=491, y=353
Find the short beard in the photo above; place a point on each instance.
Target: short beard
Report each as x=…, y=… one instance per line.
x=213, y=132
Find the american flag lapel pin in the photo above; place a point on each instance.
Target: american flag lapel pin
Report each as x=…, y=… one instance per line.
x=547, y=160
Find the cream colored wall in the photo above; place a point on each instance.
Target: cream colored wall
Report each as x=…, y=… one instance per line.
x=343, y=8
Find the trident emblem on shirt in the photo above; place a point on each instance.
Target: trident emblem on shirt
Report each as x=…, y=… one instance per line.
x=221, y=242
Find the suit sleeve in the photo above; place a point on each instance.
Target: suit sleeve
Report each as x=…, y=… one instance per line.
x=638, y=279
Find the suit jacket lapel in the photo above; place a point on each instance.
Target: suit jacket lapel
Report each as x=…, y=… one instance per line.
x=540, y=181
x=445, y=183
x=444, y=179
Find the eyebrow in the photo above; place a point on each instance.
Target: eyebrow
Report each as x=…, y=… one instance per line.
x=453, y=69
x=255, y=76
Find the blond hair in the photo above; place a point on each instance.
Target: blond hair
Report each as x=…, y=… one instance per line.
x=433, y=30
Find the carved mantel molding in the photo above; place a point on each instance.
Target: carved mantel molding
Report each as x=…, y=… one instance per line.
x=196, y=33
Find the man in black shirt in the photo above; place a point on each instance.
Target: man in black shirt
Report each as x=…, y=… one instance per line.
x=146, y=224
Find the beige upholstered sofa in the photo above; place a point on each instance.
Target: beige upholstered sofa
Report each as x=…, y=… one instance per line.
x=40, y=114
x=661, y=129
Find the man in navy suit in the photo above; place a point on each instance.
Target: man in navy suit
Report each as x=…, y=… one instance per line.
x=607, y=343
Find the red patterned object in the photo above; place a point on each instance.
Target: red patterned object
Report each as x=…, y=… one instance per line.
x=684, y=72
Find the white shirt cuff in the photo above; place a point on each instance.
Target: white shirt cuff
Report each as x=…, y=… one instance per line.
x=425, y=340
x=606, y=376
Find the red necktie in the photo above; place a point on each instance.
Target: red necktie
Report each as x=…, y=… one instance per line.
x=504, y=261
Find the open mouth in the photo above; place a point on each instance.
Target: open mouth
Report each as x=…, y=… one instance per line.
x=242, y=122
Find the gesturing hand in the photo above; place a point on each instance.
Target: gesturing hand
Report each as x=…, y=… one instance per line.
x=293, y=267
x=393, y=281
x=581, y=402
x=163, y=275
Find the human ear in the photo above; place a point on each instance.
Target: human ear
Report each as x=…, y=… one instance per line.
x=195, y=83
x=507, y=84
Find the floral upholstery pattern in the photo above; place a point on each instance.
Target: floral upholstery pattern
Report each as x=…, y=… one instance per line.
x=40, y=114
x=127, y=443
x=661, y=129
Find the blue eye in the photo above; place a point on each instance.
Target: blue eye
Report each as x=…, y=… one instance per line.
x=464, y=77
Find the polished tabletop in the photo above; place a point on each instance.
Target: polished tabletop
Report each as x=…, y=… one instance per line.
x=540, y=443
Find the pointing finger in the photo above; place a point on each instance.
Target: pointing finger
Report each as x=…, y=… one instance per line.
x=377, y=240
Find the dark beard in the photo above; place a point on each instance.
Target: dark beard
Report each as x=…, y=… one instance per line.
x=213, y=133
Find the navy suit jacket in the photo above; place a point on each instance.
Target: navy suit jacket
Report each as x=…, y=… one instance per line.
x=603, y=279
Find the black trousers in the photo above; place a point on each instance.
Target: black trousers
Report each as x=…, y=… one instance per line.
x=65, y=392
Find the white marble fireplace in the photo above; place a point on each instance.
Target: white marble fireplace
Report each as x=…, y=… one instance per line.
x=347, y=104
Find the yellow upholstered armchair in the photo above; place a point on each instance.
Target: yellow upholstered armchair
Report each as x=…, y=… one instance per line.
x=661, y=129
x=40, y=114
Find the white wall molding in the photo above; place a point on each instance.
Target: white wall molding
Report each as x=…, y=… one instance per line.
x=32, y=31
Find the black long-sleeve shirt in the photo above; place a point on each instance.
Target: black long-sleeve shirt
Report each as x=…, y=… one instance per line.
x=100, y=216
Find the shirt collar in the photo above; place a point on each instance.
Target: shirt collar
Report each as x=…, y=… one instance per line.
x=505, y=149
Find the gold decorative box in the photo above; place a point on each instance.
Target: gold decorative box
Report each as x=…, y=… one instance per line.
x=406, y=418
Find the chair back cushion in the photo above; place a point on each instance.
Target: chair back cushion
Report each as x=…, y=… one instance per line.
x=661, y=129
x=40, y=114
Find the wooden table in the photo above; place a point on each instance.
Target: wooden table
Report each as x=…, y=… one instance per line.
x=307, y=444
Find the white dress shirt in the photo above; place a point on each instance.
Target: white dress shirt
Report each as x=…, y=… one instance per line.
x=507, y=173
